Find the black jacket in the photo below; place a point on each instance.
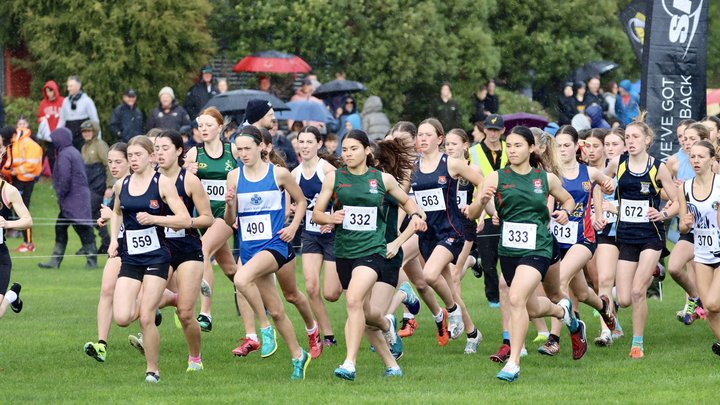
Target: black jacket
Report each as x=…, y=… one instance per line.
x=197, y=97
x=567, y=107
x=176, y=118
x=126, y=122
x=447, y=113
x=598, y=99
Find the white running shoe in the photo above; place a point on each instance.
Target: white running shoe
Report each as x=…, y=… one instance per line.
x=391, y=335
x=205, y=289
x=472, y=344
x=456, y=326
x=137, y=342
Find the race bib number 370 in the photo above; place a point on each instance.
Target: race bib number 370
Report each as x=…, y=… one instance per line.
x=519, y=236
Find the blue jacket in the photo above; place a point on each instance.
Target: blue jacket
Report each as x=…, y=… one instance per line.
x=595, y=112
x=126, y=122
x=626, y=113
x=69, y=178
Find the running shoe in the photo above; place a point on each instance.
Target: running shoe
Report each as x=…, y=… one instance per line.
x=689, y=314
x=411, y=300
x=344, y=373
x=605, y=339
x=397, y=348
x=137, y=342
x=327, y=342
x=315, y=344
x=391, y=335
x=540, y=338
x=300, y=366
x=637, y=352
x=269, y=342
x=151, y=377
x=523, y=352
x=25, y=248
x=16, y=305
x=442, y=329
x=617, y=334
x=549, y=348
x=456, y=326
x=246, y=347
x=568, y=318
x=607, y=316
x=205, y=323
x=193, y=366
x=502, y=354
x=205, y=289
x=494, y=304
x=96, y=350
x=158, y=317
x=659, y=272
x=509, y=373
x=477, y=268
x=716, y=348
x=579, y=341
x=393, y=372
x=472, y=344
x=408, y=327
x=700, y=311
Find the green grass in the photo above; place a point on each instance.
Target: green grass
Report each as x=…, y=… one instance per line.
x=41, y=357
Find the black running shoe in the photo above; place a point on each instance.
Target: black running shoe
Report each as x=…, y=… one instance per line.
x=16, y=305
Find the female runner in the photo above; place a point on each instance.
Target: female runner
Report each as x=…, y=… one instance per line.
x=211, y=161
x=119, y=168
x=699, y=211
x=640, y=230
x=184, y=244
x=358, y=191
x=317, y=241
x=520, y=194
x=142, y=200
x=434, y=182
x=256, y=200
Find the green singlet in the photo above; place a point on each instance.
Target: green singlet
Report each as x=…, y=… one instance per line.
x=213, y=172
x=521, y=202
x=362, y=232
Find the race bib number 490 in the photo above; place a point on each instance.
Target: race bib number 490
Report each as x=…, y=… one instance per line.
x=519, y=236
x=256, y=227
x=142, y=241
x=634, y=211
x=430, y=200
x=362, y=219
x=215, y=189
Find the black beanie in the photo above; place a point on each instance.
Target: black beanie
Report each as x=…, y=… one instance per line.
x=7, y=134
x=256, y=109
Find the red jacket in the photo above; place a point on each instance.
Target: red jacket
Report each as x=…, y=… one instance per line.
x=50, y=110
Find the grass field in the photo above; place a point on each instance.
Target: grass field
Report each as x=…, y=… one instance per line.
x=41, y=357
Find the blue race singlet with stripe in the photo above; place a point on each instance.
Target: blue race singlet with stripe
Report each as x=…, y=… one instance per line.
x=579, y=227
x=436, y=194
x=311, y=188
x=143, y=244
x=261, y=214
x=183, y=240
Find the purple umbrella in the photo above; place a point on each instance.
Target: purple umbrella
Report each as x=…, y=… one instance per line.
x=524, y=119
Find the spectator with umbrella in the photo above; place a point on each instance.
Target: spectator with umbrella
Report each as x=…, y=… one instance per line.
x=593, y=95
x=305, y=93
x=580, y=91
x=200, y=92
x=347, y=120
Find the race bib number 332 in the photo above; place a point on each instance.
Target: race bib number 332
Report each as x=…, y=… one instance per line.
x=362, y=219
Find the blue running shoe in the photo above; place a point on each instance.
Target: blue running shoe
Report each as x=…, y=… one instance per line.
x=508, y=376
x=568, y=318
x=300, y=366
x=393, y=372
x=269, y=342
x=397, y=348
x=345, y=374
x=411, y=300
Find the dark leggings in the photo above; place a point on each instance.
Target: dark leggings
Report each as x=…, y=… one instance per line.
x=25, y=188
x=488, y=250
x=85, y=232
x=5, y=268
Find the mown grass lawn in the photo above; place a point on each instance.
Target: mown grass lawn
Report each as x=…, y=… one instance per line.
x=41, y=357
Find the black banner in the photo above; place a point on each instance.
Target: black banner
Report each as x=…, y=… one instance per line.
x=632, y=19
x=673, y=68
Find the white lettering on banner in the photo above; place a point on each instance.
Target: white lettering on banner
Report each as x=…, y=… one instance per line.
x=683, y=26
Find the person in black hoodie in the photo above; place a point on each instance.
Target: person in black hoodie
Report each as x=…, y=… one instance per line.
x=567, y=105
x=201, y=92
x=127, y=119
x=168, y=114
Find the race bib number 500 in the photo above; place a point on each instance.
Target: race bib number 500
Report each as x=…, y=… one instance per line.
x=519, y=236
x=215, y=189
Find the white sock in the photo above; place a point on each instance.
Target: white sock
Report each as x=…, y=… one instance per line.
x=408, y=315
x=10, y=296
x=208, y=316
x=546, y=334
x=438, y=317
x=252, y=336
x=348, y=365
x=313, y=330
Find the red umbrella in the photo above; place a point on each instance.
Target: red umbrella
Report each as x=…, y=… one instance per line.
x=272, y=62
x=713, y=96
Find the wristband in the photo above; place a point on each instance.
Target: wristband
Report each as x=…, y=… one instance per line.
x=567, y=211
x=664, y=214
x=414, y=214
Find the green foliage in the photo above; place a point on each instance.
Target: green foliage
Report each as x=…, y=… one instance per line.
x=554, y=37
x=511, y=102
x=401, y=53
x=144, y=44
x=21, y=107
x=713, y=67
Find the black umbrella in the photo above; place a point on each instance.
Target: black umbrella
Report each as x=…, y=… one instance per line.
x=338, y=88
x=234, y=102
x=592, y=69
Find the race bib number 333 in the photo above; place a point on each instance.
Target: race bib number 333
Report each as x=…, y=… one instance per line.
x=519, y=236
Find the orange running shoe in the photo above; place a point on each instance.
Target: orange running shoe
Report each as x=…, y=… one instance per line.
x=246, y=347
x=637, y=352
x=408, y=328
x=316, y=346
x=442, y=331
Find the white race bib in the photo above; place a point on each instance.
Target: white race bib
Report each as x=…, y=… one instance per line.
x=611, y=217
x=170, y=233
x=122, y=231
x=2, y=236
x=430, y=200
x=518, y=235
x=215, y=189
x=462, y=198
x=634, y=211
x=362, y=219
x=565, y=234
x=309, y=224
x=706, y=240
x=142, y=240
x=256, y=227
